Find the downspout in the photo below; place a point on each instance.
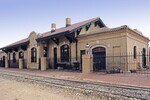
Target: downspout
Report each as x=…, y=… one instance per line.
x=70, y=53
x=76, y=49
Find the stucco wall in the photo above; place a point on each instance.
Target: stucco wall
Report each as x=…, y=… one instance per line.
x=134, y=39
x=33, y=43
x=117, y=43
x=109, y=40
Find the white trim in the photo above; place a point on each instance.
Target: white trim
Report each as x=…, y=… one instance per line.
x=98, y=45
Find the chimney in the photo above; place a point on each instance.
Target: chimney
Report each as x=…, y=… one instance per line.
x=68, y=22
x=53, y=27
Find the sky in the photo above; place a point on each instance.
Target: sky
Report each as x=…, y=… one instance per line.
x=18, y=18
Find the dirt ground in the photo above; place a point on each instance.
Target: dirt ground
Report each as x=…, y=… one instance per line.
x=14, y=90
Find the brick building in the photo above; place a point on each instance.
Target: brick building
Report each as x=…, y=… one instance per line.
x=90, y=44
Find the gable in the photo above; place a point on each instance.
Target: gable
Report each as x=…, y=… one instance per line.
x=88, y=29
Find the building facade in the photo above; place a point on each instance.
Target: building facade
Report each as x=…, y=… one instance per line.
x=120, y=47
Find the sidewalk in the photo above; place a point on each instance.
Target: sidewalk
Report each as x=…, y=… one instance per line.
x=114, y=79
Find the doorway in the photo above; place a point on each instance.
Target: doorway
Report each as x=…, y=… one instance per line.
x=99, y=58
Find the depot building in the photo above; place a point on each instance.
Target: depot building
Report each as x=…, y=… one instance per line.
x=88, y=46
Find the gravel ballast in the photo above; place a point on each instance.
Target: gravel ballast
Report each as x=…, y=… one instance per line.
x=80, y=90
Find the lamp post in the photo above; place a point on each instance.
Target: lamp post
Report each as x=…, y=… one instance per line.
x=87, y=48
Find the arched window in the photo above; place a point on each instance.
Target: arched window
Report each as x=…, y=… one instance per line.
x=134, y=52
x=21, y=54
x=64, y=53
x=14, y=57
x=33, y=55
x=144, y=57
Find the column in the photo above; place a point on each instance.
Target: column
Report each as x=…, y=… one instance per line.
x=86, y=64
x=20, y=63
x=6, y=62
x=43, y=63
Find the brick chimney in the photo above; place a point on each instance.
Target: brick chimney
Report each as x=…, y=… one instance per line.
x=68, y=22
x=53, y=27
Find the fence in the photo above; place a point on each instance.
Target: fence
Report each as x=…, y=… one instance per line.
x=2, y=63
x=24, y=63
x=13, y=64
x=69, y=64
x=123, y=63
x=126, y=63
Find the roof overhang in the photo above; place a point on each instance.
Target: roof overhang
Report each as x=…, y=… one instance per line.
x=52, y=36
x=100, y=23
x=7, y=48
x=69, y=32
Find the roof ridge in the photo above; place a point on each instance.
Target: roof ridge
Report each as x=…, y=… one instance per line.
x=68, y=28
x=76, y=23
x=59, y=30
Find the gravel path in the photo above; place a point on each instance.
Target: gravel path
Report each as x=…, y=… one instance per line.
x=19, y=87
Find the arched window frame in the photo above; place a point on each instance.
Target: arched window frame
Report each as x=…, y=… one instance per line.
x=64, y=51
x=134, y=52
x=144, y=58
x=33, y=54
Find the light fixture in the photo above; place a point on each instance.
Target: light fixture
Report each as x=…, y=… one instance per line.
x=87, y=47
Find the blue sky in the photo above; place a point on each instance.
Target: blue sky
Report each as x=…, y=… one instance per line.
x=19, y=17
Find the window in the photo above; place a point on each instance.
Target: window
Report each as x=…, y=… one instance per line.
x=144, y=58
x=134, y=52
x=20, y=54
x=14, y=57
x=64, y=53
x=33, y=55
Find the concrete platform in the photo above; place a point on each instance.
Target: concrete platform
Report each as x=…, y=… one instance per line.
x=134, y=80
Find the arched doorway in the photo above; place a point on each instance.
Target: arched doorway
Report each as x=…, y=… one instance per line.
x=99, y=58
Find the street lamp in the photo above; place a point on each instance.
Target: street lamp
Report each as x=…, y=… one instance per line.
x=87, y=47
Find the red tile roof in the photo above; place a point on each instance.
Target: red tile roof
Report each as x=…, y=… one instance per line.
x=60, y=30
x=69, y=28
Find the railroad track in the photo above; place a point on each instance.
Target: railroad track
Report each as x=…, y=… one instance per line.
x=125, y=91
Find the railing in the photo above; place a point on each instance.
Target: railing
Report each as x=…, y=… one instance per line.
x=125, y=63
x=73, y=64
x=13, y=64
x=24, y=63
x=2, y=63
